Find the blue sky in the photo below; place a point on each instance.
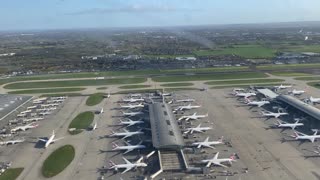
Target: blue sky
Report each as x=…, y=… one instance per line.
x=66, y=14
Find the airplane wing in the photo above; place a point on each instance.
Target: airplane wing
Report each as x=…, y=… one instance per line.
x=199, y=146
x=42, y=140
x=209, y=164
x=127, y=169
x=54, y=140
x=128, y=150
x=127, y=162
x=219, y=164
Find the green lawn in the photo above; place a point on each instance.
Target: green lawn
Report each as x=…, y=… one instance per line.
x=220, y=76
x=309, y=78
x=288, y=66
x=94, y=99
x=57, y=161
x=314, y=84
x=11, y=174
x=72, y=83
x=176, y=84
x=253, y=81
x=82, y=121
x=61, y=94
x=40, y=91
x=134, y=86
x=245, y=51
x=101, y=88
x=289, y=74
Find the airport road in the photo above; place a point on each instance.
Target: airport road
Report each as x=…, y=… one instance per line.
x=260, y=150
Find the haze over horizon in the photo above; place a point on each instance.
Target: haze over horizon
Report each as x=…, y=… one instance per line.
x=70, y=14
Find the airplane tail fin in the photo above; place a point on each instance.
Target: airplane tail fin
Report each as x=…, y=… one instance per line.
x=247, y=100
x=114, y=145
x=233, y=156
x=278, y=123
x=295, y=134
x=111, y=164
x=53, y=133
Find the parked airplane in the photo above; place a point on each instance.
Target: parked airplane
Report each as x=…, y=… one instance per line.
x=207, y=143
x=108, y=95
x=194, y=116
x=24, y=128
x=197, y=129
x=125, y=134
x=256, y=103
x=130, y=122
x=132, y=113
x=185, y=100
x=188, y=107
x=218, y=162
x=288, y=125
x=314, y=100
x=11, y=142
x=128, y=147
x=283, y=86
x=133, y=100
x=300, y=136
x=101, y=111
x=132, y=106
x=128, y=166
x=31, y=107
x=94, y=127
x=272, y=114
x=50, y=140
x=44, y=113
x=296, y=92
x=135, y=95
x=32, y=119
x=244, y=94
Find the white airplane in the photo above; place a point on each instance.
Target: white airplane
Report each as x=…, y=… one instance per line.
x=101, y=111
x=128, y=147
x=207, y=143
x=133, y=100
x=314, y=100
x=197, y=129
x=135, y=95
x=128, y=166
x=288, y=125
x=130, y=122
x=256, y=103
x=188, y=107
x=272, y=114
x=218, y=162
x=21, y=115
x=50, y=140
x=297, y=92
x=94, y=127
x=185, y=100
x=194, y=116
x=132, y=106
x=33, y=119
x=132, y=113
x=300, y=136
x=44, y=113
x=283, y=86
x=108, y=95
x=31, y=107
x=41, y=99
x=11, y=142
x=244, y=94
x=125, y=134
x=59, y=97
x=24, y=128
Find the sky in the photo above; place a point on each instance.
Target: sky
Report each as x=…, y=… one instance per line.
x=72, y=14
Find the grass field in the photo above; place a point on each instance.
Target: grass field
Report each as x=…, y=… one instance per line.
x=253, y=81
x=220, y=76
x=61, y=94
x=101, y=88
x=289, y=74
x=245, y=51
x=288, y=66
x=82, y=121
x=176, y=84
x=11, y=174
x=72, y=83
x=134, y=86
x=94, y=99
x=58, y=161
x=40, y=91
x=309, y=78
x=314, y=84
